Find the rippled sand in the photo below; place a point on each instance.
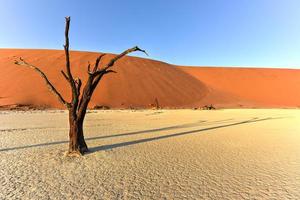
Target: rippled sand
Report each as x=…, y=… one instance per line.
x=164, y=154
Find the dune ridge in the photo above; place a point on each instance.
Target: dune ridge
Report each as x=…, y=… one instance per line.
x=140, y=81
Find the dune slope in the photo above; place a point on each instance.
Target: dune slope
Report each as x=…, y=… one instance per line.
x=137, y=84
x=255, y=87
x=140, y=81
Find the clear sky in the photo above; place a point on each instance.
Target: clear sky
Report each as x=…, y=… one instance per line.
x=259, y=33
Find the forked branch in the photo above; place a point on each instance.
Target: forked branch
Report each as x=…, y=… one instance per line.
x=105, y=70
x=21, y=61
x=94, y=71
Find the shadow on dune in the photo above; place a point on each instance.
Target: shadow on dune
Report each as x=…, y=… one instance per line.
x=188, y=125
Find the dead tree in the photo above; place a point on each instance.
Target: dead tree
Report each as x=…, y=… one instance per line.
x=80, y=97
x=157, y=104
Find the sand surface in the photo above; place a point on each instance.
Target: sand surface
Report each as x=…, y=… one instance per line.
x=251, y=87
x=154, y=154
x=137, y=84
x=140, y=81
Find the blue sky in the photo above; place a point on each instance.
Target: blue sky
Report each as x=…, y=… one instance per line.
x=258, y=33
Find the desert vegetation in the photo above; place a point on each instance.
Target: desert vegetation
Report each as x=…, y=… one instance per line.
x=80, y=97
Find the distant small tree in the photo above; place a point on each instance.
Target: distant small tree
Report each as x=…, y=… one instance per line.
x=80, y=98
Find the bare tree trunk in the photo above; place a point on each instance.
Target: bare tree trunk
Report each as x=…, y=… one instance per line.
x=77, y=144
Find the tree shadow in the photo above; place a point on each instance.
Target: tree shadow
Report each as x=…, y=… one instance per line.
x=187, y=125
x=105, y=147
x=112, y=146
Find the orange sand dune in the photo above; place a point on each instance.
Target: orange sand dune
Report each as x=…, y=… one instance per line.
x=139, y=81
x=255, y=87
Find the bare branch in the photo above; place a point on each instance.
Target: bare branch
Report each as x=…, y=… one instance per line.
x=109, y=71
x=97, y=62
x=78, y=86
x=21, y=61
x=112, y=61
x=94, y=78
x=68, y=65
x=99, y=73
x=65, y=76
x=66, y=47
x=96, y=73
x=89, y=67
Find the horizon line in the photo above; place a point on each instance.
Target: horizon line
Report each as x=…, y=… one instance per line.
x=148, y=58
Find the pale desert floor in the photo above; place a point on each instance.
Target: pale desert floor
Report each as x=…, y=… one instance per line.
x=154, y=154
